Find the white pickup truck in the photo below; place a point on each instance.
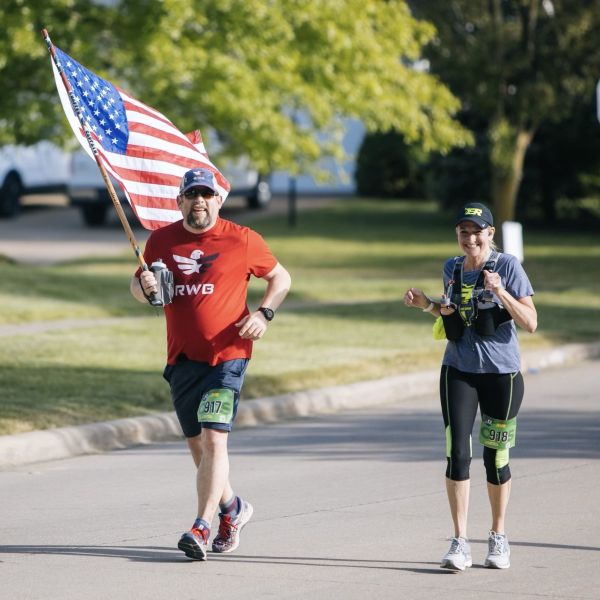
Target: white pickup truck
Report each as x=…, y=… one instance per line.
x=44, y=168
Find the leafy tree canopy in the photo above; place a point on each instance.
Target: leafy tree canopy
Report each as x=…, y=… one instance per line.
x=266, y=75
x=515, y=65
x=529, y=60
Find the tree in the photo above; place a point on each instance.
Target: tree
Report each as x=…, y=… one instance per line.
x=29, y=110
x=563, y=162
x=269, y=77
x=516, y=64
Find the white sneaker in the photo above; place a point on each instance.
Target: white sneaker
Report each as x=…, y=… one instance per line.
x=458, y=556
x=498, y=556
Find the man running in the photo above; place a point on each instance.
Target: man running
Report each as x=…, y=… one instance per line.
x=210, y=332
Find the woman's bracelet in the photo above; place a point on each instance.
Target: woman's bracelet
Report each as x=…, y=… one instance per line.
x=430, y=307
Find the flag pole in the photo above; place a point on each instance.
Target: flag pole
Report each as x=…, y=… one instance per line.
x=109, y=186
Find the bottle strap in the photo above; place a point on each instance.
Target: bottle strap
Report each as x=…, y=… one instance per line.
x=490, y=265
x=456, y=282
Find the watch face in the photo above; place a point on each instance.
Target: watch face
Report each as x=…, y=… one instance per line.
x=268, y=313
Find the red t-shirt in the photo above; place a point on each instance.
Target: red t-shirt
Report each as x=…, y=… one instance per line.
x=211, y=272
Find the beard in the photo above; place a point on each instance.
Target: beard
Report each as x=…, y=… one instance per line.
x=201, y=221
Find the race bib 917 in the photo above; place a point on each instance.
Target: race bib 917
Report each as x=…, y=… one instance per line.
x=216, y=406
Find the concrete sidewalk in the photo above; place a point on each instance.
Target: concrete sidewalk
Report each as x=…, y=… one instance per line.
x=65, y=442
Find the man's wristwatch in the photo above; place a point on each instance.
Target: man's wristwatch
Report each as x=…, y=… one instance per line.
x=267, y=313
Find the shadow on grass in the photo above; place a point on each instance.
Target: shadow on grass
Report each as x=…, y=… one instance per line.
x=108, y=292
x=561, y=273
x=368, y=221
x=568, y=324
x=561, y=324
x=111, y=292
x=42, y=397
x=381, y=264
x=376, y=220
x=389, y=224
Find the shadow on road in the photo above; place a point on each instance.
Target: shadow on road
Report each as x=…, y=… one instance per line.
x=418, y=436
x=543, y=545
x=168, y=555
x=135, y=553
x=158, y=554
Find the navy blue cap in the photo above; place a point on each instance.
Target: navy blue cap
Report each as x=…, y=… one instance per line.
x=480, y=214
x=198, y=178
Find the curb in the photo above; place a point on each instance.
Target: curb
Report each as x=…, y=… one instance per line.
x=65, y=442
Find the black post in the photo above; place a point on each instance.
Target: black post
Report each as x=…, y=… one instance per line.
x=292, y=197
x=293, y=183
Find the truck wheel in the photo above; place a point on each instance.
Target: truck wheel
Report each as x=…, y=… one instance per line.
x=10, y=195
x=94, y=215
x=261, y=195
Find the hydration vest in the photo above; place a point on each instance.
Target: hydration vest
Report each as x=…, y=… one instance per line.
x=472, y=312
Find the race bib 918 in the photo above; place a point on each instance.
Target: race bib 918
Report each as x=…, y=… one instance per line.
x=498, y=434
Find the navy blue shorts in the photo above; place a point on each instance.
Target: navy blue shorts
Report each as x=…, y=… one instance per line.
x=192, y=383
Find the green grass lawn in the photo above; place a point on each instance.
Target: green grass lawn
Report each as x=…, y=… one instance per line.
x=344, y=320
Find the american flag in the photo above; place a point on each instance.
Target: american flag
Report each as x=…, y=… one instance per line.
x=139, y=147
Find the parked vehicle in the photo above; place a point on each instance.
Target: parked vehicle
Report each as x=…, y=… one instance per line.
x=44, y=168
x=39, y=169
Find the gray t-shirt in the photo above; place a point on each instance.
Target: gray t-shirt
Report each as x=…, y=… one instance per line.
x=498, y=353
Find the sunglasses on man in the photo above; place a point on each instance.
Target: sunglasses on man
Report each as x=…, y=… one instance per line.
x=199, y=191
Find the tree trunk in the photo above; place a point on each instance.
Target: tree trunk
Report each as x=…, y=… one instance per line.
x=506, y=180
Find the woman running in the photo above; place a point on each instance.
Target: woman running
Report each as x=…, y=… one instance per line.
x=486, y=294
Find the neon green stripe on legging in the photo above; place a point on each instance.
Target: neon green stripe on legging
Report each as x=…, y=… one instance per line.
x=501, y=460
x=502, y=456
x=448, y=432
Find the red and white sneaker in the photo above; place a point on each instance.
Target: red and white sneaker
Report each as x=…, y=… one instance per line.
x=228, y=537
x=194, y=543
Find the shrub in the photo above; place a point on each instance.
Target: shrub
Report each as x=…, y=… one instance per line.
x=387, y=167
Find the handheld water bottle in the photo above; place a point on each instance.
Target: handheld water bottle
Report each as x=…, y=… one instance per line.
x=164, y=282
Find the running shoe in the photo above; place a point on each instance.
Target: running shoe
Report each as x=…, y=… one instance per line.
x=498, y=556
x=194, y=543
x=228, y=537
x=458, y=556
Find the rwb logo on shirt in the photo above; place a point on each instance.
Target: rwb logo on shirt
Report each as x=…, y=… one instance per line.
x=203, y=289
x=196, y=263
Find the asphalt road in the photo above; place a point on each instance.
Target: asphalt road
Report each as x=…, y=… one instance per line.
x=348, y=506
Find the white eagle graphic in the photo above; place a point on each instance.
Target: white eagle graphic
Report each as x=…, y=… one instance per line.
x=196, y=263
